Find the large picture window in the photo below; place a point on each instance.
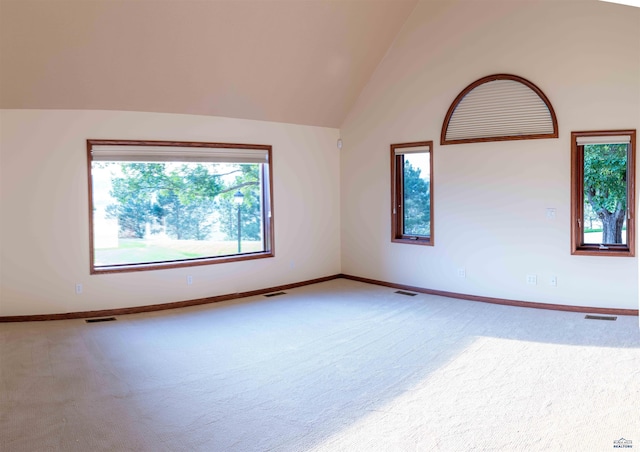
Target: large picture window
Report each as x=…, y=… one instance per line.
x=412, y=193
x=157, y=204
x=603, y=193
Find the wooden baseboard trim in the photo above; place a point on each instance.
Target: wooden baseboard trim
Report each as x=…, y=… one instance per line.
x=233, y=296
x=522, y=304
x=162, y=306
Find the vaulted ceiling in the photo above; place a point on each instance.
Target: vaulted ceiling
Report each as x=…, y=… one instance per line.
x=295, y=61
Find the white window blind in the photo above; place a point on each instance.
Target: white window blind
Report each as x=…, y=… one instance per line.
x=500, y=108
x=132, y=153
x=610, y=139
x=412, y=150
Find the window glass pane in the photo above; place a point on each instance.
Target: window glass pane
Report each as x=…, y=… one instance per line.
x=605, y=194
x=417, y=186
x=175, y=211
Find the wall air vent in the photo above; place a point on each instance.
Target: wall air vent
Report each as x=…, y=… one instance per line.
x=102, y=319
x=497, y=108
x=600, y=317
x=275, y=294
x=409, y=294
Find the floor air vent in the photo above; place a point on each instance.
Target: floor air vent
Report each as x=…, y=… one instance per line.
x=409, y=294
x=275, y=294
x=103, y=319
x=600, y=317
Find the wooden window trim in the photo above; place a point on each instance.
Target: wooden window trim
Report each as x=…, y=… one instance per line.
x=397, y=192
x=268, y=214
x=491, y=78
x=577, y=202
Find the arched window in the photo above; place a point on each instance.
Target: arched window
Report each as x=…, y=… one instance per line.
x=497, y=108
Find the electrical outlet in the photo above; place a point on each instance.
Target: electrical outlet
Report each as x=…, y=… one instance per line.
x=78, y=288
x=551, y=213
x=553, y=281
x=532, y=280
x=462, y=273
x=189, y=280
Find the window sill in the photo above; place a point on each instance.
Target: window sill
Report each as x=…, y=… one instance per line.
x=597, y=251
x=125, y=268
x=424, y=241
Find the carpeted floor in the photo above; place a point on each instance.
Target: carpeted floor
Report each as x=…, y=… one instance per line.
x=338, y=366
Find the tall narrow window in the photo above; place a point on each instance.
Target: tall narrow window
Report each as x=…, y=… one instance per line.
x=157, y=204
x=412, y=193
x=603, y=193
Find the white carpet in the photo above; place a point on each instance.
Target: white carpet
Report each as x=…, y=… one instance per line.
x=338, y=366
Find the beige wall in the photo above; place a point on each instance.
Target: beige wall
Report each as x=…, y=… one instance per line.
x=491, y=198
x=44, y=246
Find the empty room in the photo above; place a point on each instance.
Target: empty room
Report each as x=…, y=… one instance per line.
x=319, y=225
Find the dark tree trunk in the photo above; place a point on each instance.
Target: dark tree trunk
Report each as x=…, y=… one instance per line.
x=612, y=225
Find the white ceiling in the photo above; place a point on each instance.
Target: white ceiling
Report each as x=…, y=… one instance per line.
x=294, y=61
